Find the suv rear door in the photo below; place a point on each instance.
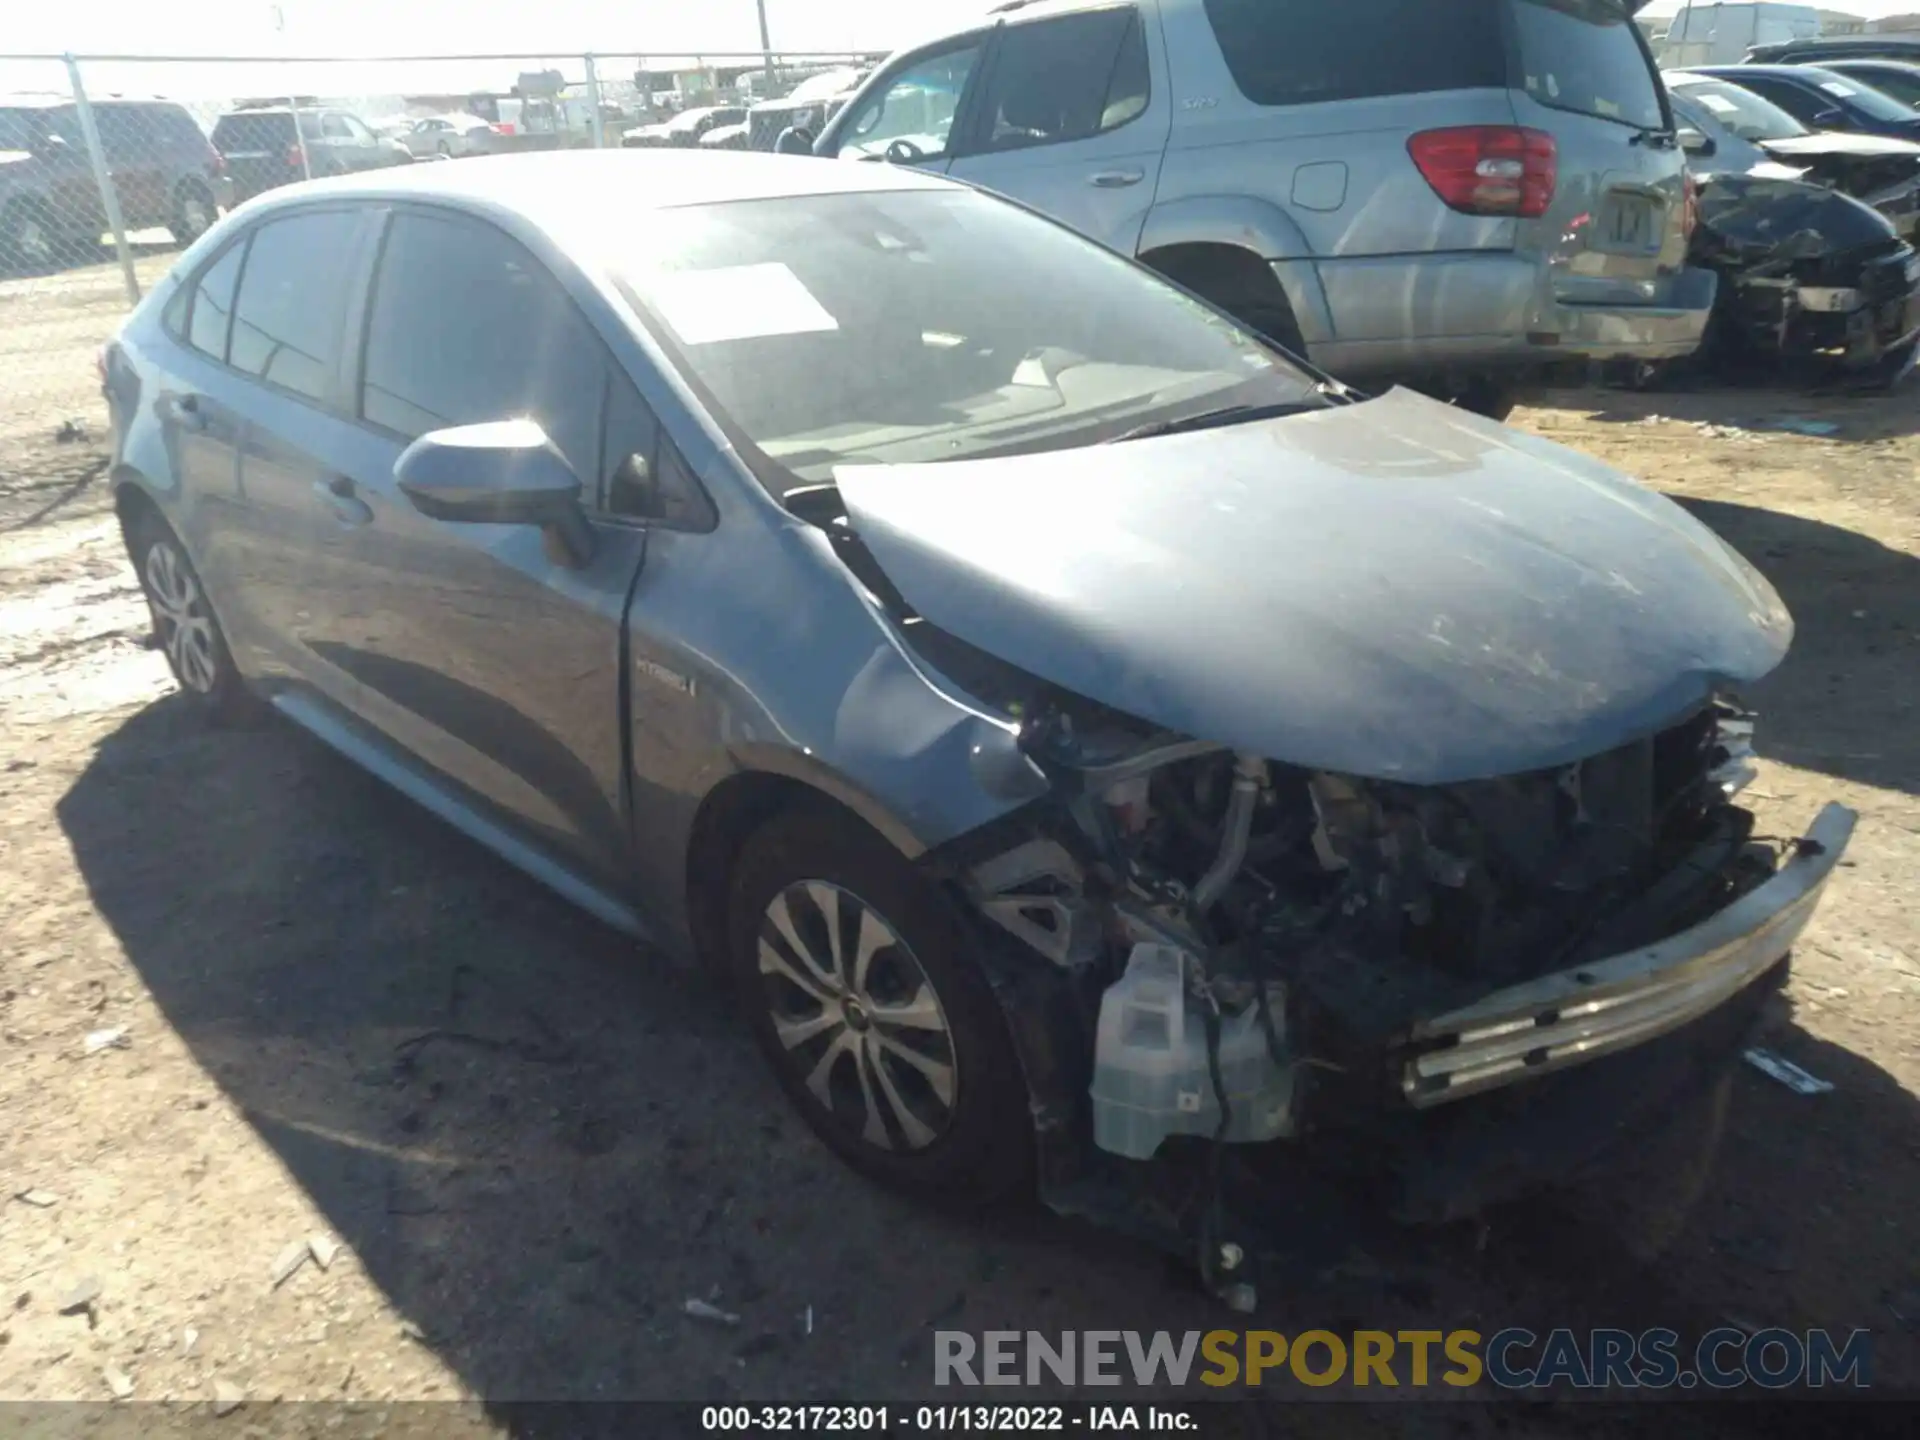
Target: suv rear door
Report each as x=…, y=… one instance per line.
x=1618, y=216
x=1071, y=122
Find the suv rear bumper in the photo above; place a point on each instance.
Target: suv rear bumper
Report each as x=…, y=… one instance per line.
x=1495, y=311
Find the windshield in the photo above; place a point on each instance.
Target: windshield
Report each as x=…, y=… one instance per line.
x=1902, y=82
x=1874, y=104
x=1585, y=56
x=927, y=325
x=1741, y=111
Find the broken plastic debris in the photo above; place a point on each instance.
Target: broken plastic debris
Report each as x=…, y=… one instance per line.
x=1786, y=1072
x=323, y=1248
x=114, y=1039
x=81, y=1296
x=39, y=1199
x=701, y=1310
x=119, y=1382
x=227, y=1397
x=189, y=1338
x=1241, y=1298
x=809, y=1319
x=1800, y=425
x=289, y=1260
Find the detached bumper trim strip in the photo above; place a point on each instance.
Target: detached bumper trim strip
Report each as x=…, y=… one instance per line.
x=1577, y=1015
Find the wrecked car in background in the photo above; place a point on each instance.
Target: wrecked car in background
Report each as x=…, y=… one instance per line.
x=1087, y=738
x=1805, y=230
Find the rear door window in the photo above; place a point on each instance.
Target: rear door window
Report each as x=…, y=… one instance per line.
x=1065, y=79
x=1584, y=56
x=467, y=327
x=243, y=134
x=293, y=298
x=1302, y=53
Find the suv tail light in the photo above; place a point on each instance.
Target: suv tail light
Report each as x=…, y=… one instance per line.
x=504, y=127
x=296, y=156
x=1489, y=169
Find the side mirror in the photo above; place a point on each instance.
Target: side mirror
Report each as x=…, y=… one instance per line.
x=504, y=473
x=794, y=140
x=1693, y=142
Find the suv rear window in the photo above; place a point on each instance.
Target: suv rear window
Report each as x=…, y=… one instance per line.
x=272, y=130
x=1299, y=52
x=1585, y=56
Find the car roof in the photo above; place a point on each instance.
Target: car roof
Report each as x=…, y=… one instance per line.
x=1844, y=63
x=565, y=188
x=1734, y=72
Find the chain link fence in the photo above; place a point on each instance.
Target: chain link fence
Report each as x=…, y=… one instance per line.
x=110, y=165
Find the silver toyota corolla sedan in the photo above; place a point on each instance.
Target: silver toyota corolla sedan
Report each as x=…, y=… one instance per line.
x=1084, y=734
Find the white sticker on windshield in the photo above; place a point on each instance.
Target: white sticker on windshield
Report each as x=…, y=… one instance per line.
x=1719, y=104
x=737, y=302
x=1835, y=87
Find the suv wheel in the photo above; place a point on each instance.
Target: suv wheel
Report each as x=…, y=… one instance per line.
x=882, y=1030
x=28, y=237
x=184, y=625
x=194, y=212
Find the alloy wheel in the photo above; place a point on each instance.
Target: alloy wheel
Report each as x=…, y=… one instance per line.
x=857, y=1017
x=180, y=617
x=196, y=215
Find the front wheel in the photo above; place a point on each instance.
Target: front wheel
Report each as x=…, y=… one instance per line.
x=880, y=1026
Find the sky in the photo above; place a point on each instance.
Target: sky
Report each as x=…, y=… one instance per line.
x=621, y=30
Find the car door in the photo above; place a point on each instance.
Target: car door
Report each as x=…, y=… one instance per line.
x=133, y=146
x=368, y=151
x=912, y=112
x=480, y=652
x=201, y=407
x=294, y=516
x=1071, y=122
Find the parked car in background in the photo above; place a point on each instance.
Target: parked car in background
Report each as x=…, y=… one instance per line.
x=1727, y=130
x=449, y=135
x=1836, y=47
x=1898, y=78
x=165, y=173
x=810, y=105
x=264, y=150
x=1141, y=662
x=1823, y=99
x=1809, y=234
x=1450, y=195
x=683, y=131
x=725, y=137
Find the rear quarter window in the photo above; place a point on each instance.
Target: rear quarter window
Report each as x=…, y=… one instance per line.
x=1584, y=56
x=253, y=132
x=1298, y=52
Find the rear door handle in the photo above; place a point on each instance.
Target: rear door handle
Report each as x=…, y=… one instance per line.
x=336, y=492
x=1116, y=179
x=188, y=415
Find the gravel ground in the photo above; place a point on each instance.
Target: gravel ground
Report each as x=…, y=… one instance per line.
x=345, y=1024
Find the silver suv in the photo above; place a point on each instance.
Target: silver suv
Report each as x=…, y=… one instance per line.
x=1442, y=194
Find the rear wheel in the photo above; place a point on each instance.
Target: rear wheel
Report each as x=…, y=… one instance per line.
x=881, y=1029
x=184, y=625
x=194, y=212
x=28, y=237
x=1239, y=282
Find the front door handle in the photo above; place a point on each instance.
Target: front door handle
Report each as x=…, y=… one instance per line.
x=336, y=492
x=1116, y=179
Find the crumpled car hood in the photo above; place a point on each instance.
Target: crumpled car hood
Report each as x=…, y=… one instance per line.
x=1394, y=589
x=1835, y=142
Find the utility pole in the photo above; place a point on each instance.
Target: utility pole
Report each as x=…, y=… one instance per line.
x=766, y=44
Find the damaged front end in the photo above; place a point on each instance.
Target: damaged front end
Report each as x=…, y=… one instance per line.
x=1391, y=793
x=1807, y=274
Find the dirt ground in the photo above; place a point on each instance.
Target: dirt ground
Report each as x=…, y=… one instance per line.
x=532, y=1145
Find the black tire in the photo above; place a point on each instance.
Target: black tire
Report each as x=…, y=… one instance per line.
x=185, y=628
x=194, y=211
x=1254, y=299
x=981, y=1145
x=1486, y=396
x=29, y=238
